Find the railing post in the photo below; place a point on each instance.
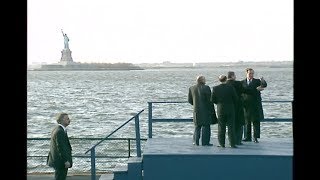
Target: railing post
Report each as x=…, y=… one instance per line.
x=93, y=164
x=129, y=148
x=150, y=119
x=137, y=136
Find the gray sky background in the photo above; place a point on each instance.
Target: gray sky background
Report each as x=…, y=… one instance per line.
x=139, y=31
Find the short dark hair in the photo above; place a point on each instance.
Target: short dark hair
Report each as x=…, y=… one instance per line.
x=249, y=69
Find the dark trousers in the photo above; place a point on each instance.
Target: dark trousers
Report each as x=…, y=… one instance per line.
x=205, y=132
x=238, y=134
x=223, y=123
x=60, y=173
x=256, y=129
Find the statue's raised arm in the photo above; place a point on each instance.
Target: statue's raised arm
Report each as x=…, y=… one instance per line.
x=66, y=40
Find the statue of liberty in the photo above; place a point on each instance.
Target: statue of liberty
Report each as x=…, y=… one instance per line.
x=66, y=40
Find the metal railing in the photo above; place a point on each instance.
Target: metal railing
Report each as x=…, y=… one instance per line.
x=87, y=139
x=110, y=153
x=138, y=144
x=152, y=120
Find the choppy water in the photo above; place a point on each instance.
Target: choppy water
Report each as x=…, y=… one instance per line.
x=100, y=101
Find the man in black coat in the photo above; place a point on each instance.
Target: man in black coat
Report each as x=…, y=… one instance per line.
x=253, y=111
x=239, y=114
x=225, y=96
x=60, y=156
x=199, y=97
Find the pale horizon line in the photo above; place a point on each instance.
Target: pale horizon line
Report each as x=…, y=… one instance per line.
x=169, y=62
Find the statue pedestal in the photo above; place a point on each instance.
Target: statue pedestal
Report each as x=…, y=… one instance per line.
x=66, y=57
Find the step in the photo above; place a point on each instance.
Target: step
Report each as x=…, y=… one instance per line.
x=135, y=168
x=120, y=172
x=108, y=176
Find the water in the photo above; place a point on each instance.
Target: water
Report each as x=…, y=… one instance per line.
x=100, y=101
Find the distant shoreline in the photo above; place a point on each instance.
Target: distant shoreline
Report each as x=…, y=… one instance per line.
x=164, y=65
x=286, y=64
x=72, y=66
x=84, y=69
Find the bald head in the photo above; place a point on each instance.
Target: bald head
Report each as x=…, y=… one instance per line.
x=222, y=78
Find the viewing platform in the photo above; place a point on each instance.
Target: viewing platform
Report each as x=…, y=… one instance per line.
x=178, y=158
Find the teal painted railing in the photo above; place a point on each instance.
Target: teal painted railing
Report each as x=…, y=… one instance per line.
x=138, y=143
x=84, y=139
x=119, y=149
x=151, y=119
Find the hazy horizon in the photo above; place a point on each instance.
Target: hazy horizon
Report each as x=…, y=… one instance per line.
x=144, y=31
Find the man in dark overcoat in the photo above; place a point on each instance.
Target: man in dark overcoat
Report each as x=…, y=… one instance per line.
x=253, y=111
x=239, y=114
x=225, y=96
x=199, y=96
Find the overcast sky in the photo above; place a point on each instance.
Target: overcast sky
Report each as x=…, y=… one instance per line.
x=154, y=31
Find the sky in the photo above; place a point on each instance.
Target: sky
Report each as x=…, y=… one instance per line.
x=154, y=31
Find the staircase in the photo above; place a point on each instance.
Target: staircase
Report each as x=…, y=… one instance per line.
x=178, y=159
x=132, y=170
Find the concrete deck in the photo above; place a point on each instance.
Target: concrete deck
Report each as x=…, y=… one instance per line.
x=178, y=158
x=273, y=155
x=184, y=146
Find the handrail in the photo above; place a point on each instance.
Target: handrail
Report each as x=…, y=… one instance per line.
x=114, y=131
x=151, y=119
x=284, y=101
x=80, y=138
x=138, y=146
x=128, y=139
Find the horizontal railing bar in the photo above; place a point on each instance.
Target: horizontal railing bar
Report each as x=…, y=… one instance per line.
x=190, y=120
x=79, y=156
x=276, y=101
x=168, y=102
x=172, y=120
x=31, y=139
x=277, y=120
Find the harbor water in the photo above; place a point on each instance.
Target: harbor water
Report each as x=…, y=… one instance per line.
x=100, y=101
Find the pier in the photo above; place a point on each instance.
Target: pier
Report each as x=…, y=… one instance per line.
x=175, y=158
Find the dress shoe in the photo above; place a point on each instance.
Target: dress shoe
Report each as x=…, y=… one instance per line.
x=195, y=144
x=221, y=146
x=246, y=139
x=208, y=144
x=256, y=140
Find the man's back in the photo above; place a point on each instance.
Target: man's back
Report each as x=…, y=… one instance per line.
x=199, y=97
x=225, y=97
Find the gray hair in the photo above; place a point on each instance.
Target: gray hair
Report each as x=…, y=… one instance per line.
x=60, y=117
x=201, y=79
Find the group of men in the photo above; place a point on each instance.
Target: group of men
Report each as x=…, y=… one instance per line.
x=238, y=105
